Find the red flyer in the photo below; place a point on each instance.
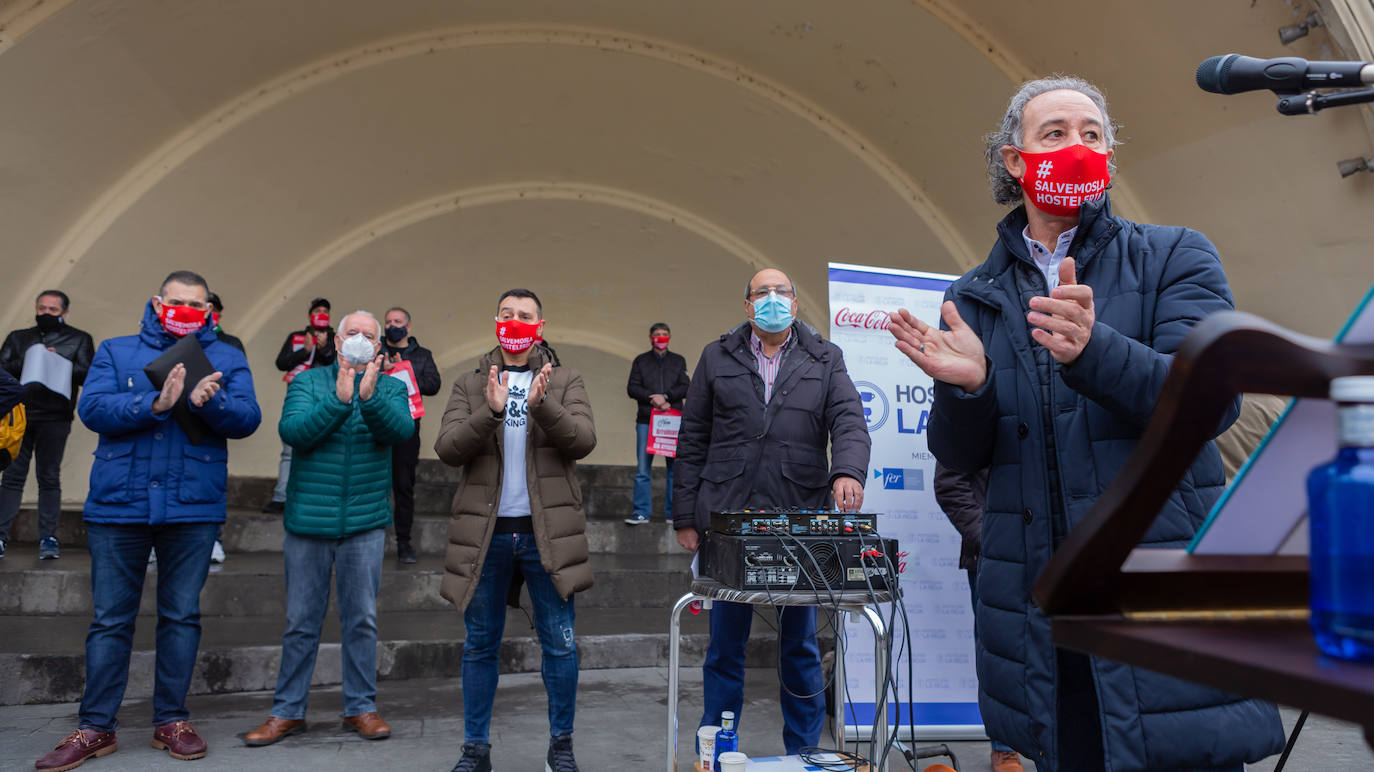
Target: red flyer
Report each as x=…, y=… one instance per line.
x=663, y=428
x=403, y=372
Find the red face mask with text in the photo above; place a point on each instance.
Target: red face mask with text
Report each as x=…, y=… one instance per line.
x=181, y=320
x=1061, y=181
x=319, y=321
x=516, y=336
x=660, y=342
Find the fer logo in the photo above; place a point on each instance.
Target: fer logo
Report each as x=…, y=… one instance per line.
x=874, y=403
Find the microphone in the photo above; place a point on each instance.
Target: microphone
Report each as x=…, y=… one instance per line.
x=1233, y=73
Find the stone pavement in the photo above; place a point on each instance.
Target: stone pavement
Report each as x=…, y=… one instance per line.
x=621, y=719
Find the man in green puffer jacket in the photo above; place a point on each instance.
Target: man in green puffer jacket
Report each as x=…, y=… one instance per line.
x=341, y=421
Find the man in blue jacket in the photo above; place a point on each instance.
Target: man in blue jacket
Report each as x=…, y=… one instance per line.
x=1050, y=358
x=152, y=489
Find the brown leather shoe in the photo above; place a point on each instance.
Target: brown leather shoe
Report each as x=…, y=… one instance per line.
x=273, y=729
x=369, y=725
x=180, y=740
x=1006, y=761
x=75, y=748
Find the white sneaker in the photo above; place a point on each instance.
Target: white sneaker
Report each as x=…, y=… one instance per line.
x=217, y=554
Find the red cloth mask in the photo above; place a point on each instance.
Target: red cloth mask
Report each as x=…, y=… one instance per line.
x=182, y=320
x=516, y=336
x=660, y=342
x=319, y=321
x=214, y=317
x=1060, y=182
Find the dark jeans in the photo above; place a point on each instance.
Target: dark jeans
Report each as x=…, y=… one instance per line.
x=404, y=458
x=643, y=494
x=119, y=562
x=356, y=565
x=799, y=664
x=45, y=441
x=485, y=620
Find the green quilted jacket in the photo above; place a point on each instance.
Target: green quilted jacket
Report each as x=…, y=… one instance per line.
x=340, y=480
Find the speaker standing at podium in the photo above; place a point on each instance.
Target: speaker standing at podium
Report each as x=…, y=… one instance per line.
x=1051, y=359
x=765, y=401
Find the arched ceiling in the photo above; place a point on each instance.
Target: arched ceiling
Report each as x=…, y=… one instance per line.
x=630, y=161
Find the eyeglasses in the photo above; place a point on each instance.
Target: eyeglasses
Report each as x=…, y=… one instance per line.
x=762, y=292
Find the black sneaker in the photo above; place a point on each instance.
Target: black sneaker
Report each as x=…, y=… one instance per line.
x=404, y=552
x=48, y=548
x=560, y=758
x=274, y=507
x=476, y=758
x=2, y=548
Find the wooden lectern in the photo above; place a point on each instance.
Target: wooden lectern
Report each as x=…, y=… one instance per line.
x=1234, y=622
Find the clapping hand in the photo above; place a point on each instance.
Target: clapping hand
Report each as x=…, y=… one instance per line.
x=343, y=385
x=954, y=356
x=171, y=389
x=1063, y=322
x=498, y=390
x=368, y=384
x=205, y=389
x=539, y=388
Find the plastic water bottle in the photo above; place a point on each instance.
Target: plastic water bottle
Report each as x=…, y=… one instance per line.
x=726, y=739
x=1341, y=524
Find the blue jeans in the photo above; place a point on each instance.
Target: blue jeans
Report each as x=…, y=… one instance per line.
x=356, y=562
x=800, y=671
x=643, y=496
x=997, y=745
x=119, y=563
x=485, y=620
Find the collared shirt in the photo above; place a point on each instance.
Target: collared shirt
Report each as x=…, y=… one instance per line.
x=768, y=366
x=1049, y=262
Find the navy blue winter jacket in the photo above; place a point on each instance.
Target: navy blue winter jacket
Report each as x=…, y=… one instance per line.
x=146, y=471
x=1053, y=436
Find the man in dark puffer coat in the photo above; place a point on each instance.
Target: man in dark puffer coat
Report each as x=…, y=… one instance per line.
x=1047, y=368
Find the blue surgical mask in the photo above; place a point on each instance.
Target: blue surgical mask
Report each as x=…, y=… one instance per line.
x=773, y=312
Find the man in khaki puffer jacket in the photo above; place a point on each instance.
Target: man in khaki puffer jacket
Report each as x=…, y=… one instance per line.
x=517, y=425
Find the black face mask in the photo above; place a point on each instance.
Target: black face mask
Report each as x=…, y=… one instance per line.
x=395, y=334
x=48, y=322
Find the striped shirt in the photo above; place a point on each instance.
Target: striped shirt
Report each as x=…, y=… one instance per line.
x=768, y=366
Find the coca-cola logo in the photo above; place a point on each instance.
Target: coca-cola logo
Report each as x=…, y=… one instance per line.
x=863, y=320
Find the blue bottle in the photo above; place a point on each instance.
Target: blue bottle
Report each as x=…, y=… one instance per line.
x=1341, y=525
x=726, y=739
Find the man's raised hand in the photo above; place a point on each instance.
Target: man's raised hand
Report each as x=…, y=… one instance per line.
x=171, y=389
x=540, y=386
x=205, y=389
x=343, y=386
x=369, y=382
x=1063, y=322
x=954, y=356
x=498, y=390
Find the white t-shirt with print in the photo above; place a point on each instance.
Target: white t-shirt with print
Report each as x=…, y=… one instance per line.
x=515, y=492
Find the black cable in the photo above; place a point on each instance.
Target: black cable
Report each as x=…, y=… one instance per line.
x=1292, y=740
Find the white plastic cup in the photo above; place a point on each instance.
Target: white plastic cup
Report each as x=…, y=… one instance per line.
x=733, y=761
x=706, y=743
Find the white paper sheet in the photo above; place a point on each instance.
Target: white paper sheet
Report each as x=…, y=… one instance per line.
x=48, y=368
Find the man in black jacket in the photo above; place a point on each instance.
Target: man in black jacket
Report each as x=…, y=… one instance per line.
x=399, y=347
x=764, y=403
x=49, y=412
x=217, y=311
x=302, y=350
x=658, y=381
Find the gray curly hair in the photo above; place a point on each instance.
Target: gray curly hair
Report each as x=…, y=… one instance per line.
x=1005, y=188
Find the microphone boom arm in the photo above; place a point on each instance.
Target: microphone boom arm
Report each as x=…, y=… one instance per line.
x=1311, y=102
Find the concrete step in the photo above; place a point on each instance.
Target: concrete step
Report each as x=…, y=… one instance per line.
x=253, y=584
x=42, y=659
x=248, y=530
